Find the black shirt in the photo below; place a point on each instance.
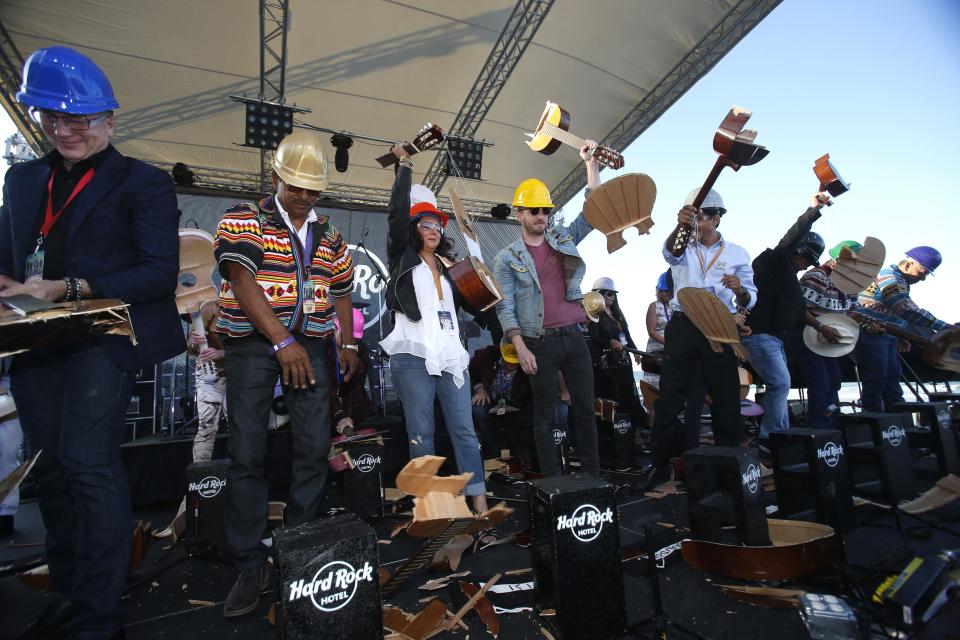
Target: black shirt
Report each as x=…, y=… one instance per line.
x=64, y=181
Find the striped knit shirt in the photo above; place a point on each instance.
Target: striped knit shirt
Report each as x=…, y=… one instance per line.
x=820, y=294
x=256, y=237
x=888, y=299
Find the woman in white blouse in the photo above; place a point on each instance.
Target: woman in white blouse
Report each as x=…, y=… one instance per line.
x=427, y=359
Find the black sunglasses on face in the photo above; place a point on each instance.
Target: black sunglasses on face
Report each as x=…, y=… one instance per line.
x=607, y=293
x=298, y=190
x=539, y=211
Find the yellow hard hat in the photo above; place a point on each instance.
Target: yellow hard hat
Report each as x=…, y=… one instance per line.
x=593, y=305
x=508, y=352
x=532, y=194
x=300, y=161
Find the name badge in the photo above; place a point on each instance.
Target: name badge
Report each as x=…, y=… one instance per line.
x=446, y=321
x=35, y=266
x=309, y=293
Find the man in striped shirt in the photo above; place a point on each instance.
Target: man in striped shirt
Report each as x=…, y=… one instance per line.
x=887, y=300
x=286, y=270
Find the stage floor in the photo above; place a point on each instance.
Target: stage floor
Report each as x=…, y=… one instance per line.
x=160, y=607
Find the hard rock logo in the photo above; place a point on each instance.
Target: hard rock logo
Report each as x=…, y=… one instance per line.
x=367, y=462
x=894, y=435
x=751, y=478
x=622, y=426
x=586, y=523
x=830, y=454
x=208, y=487
x=559, y=435
x=333, y=586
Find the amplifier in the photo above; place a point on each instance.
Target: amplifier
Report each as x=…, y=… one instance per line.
x=615, y=441
x=878, y=451
x=363, y=485
x=206, y=496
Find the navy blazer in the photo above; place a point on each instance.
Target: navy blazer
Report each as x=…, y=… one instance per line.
x=122, y=239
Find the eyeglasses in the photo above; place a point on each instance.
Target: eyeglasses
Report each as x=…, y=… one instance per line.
x=50, y=120
x=607, y=293
x=709, y=213
x=313, y=193
x=431, y=226
x=544, y=211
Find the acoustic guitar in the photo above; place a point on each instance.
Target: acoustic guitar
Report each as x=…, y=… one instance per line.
x=195, y=287
x=429, y=136
x=554, y=130
x=736, y=149
x=830, y=180
x=470, y=275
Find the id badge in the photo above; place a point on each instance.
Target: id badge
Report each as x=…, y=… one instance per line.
x=446, y=321
x=309, y=293
x=35, y=266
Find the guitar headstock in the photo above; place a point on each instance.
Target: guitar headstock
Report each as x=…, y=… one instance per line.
x=608, y=157
x=429, y=136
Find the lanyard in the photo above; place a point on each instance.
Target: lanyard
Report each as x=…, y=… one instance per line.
x=705, y=269
x=51, y=217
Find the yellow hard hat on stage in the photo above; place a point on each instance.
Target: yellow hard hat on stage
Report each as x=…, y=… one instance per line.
x=509, y=352
x=301, y=162
x=532, y=194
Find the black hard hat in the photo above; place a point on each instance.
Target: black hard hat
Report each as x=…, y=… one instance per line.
x=812, y=247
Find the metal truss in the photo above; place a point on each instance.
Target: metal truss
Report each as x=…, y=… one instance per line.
x=736, y=24
x=521, y=26
x=223, y=182
x=11, y=68
x=273, y=66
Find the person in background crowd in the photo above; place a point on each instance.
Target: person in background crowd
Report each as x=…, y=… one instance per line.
x=85, y=222
x=780, y=307
x=211, y=382
x=11, y=437
x=658, y=315
x=822, y=374
x=714, y=264
x=502, y=401
x=539, y=276
x=286, y=271
x=427, y=359
x=888, y=300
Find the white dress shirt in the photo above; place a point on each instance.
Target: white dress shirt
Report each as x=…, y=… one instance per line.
x=302, y=232
x=703, y=267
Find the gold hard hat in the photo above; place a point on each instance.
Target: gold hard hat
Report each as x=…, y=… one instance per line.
x=300, y=161
x=593, y=305
x=532, y=194
x=508, y=352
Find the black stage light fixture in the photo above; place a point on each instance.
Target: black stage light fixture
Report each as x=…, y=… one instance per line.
x=342, y=144
x=182, y=175
x=500, y=211
x=267, y=123
x=464, y=158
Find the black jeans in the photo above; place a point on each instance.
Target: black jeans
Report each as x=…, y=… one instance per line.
x=686, y=348
x=72, y=402
x=567, y=353
x=252, y=373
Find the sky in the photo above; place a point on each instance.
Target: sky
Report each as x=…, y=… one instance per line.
x=874, y=84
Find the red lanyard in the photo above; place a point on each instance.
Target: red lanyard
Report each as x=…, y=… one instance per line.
x=51, y=217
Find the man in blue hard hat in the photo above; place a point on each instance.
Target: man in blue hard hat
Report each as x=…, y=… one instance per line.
x=85, y=222
x=881, y=308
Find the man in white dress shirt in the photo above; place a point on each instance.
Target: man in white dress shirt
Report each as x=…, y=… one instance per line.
x=711, y=263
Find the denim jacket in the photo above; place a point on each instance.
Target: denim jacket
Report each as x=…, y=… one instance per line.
x=521, y=310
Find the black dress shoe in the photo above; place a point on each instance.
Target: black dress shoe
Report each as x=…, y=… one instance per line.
x=244, y=596
x=52, y=621
x=653, y=476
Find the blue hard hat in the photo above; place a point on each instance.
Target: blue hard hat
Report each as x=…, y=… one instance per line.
x=928, y=257
x=64, y=80
x=664, y=282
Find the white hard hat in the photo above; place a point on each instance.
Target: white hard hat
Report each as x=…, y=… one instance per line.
x=420, y=193
x=713, y=200
x=604, y=283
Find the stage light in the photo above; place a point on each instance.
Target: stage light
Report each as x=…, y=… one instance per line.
x=182, y=175
x=341, y=159
x=267, y=123
x=464, y=158
x=500, y=211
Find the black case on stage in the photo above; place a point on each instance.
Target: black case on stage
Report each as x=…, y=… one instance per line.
x=206, y=496
x=881, y=465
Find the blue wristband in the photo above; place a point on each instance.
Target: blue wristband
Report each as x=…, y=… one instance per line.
x=284, y=343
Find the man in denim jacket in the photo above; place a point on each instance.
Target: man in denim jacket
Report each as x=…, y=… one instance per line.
x=539, y=276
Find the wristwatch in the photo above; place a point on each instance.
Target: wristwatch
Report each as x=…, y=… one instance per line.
x=352, y=347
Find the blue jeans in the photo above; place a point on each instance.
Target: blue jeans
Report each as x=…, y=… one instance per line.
x=72, y=402
x=823, y=378
x=417, y=389
x=879, y=365
x=767, y=357
x=252, y=372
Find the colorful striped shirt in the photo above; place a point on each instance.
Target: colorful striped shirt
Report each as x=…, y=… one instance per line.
x=820, y=294
x=256, y=237
x=888, y=299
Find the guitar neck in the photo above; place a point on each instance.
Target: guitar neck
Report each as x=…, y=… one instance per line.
x=565, y=137
x=423, y=556
x=197, y=320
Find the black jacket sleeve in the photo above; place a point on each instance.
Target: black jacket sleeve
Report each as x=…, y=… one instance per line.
x=796, y=234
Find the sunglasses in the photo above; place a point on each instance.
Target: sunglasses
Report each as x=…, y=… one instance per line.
x=51, y=120
x=431, y=226
x=607, y=293
x=709, y=213
x=313, y=193
x=544, y=211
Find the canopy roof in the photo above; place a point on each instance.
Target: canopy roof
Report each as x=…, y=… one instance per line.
x=384, y=68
